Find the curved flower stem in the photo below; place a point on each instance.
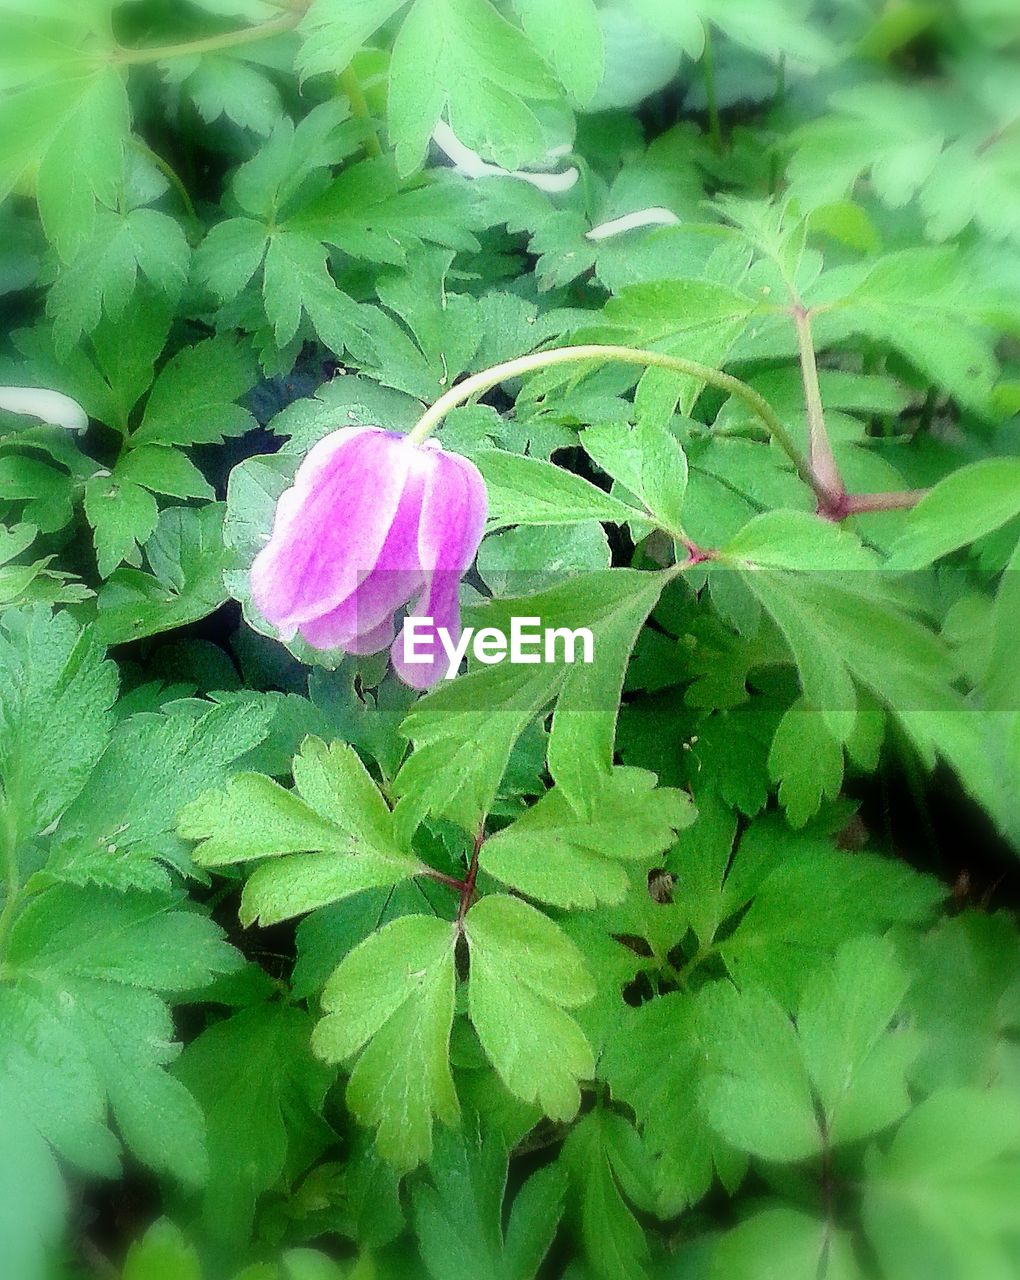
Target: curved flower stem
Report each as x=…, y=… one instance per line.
x=211, y=44
x=478, y=383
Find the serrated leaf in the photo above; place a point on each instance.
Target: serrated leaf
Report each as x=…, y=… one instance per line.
x=193, y=399
x=258, y=1117
x=524, y=974
x=391, y=1003
x=551, y=854
x=122, y=515
x=526, y=490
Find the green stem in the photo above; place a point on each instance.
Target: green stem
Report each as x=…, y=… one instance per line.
x=351, y=85
x=478, y=383
x=708, y=67
x=823, y=461
x=211, y=44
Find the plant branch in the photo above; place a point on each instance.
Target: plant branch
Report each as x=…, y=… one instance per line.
x=351, y=85
x=211, y=44
x=478, y=383
x=468, y=890
x=820, y=455
x=855, y=504
x=442, y=878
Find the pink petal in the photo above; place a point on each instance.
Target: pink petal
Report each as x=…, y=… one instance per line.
x=331, y=525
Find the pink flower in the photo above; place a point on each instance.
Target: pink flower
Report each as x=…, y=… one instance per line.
x=371, y=523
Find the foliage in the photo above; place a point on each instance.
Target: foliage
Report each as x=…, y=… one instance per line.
x=696, y=961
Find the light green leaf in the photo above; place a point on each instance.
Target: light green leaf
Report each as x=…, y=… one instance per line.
x=526, y=490
x=193, y=399
x=969, y=503
x=551, y=854
x=462, y=59
x=391, y=1002
x=123, y=516
x=568, y=35
x=524, y=974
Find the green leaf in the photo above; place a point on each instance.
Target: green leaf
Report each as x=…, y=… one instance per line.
x=187, y=557
x=462, y=59
x=524, y=974
x=193, y=399
x=162, y=1254
x=368, y=213
x=969, y=503
x=459, y=1211
x=464, y=731
x=297, y=282
x=569, y=37
x=56, y=690
x=163, y=470
x=600, y=1154
x=857, y=1064
x=807, y=762
x=526, y=490
x=335, y=30
x=942, y=1200
x=230, y=255
x=551, y=854
x=103, y=275
x=940, y=329
x=86, y=968
x=780, y=1240
x=119, y=830
x=83, y=157
x=391, y=1003
x=696, y=319
x=667, y=1102
x=338, y=822
x=123, y=516
x=648, y=461
x=257, y=1118
x=759, y=1094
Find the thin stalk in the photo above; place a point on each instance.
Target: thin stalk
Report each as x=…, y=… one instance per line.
x=468, y=890
x=822, y=459
x=351, y=85
x=708, y=68
x=478, y=383
x=855, y=504
x=211, y=44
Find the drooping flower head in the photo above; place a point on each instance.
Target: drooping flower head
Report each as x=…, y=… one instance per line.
x=372, y=522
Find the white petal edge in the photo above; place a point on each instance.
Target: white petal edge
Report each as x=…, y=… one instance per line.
x=653, y=217
x=48, y=406
x=471, y=165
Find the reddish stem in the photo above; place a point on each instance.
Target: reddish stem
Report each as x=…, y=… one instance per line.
x=897, y=500
x=468, y=888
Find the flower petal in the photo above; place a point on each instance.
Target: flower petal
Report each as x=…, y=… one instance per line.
x=452, y=522
x=330, y=525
